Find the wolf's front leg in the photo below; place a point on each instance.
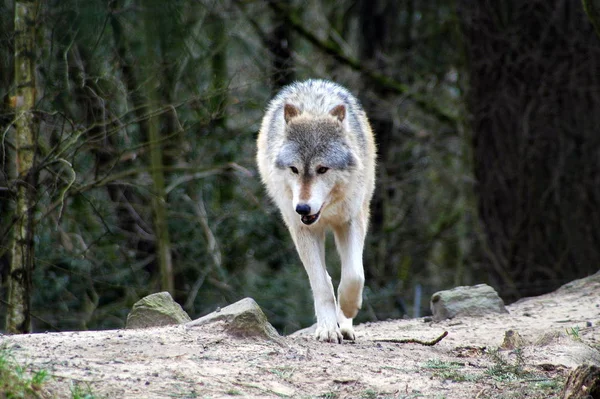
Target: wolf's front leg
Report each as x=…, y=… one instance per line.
x=349, y=239
x=310, y=244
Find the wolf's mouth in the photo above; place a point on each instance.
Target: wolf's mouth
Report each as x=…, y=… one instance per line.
x=310, y=219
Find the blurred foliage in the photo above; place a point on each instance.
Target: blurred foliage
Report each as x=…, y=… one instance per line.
x=211, y=68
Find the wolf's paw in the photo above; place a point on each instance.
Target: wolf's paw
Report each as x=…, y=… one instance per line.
x=329, y=334
x=346, y=326
x=348, y=333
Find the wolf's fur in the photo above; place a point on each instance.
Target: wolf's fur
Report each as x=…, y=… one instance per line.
x=316, y=156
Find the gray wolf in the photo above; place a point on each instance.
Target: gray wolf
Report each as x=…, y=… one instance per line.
x=316, y=157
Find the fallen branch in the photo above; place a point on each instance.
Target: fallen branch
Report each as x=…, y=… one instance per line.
x=413, y=340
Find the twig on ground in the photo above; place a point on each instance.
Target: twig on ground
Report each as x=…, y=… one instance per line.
x=413, y=340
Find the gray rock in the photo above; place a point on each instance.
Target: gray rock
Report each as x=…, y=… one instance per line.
x=477, y=300
x=512, y=340
x=242, y=319
x=156, y=310
x=565, y=350
x=308, y=331
x=590, y=283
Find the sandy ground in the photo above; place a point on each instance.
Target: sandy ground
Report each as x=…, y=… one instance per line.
x=559, y=331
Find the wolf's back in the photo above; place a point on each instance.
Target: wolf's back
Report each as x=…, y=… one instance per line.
x=316, y=97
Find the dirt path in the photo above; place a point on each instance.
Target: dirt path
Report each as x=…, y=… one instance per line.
x=559, y=330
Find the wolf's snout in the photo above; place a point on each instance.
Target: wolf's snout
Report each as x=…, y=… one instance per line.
x=303, y=209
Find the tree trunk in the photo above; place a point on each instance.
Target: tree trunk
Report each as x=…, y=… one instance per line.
x=22, y=246
x=534, y=75
x=280, y=47
x=159, y=211
x=126, y=198
x=378, y=20
x=220, y=80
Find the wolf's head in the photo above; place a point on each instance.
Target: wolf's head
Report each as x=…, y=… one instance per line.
x=316, y=159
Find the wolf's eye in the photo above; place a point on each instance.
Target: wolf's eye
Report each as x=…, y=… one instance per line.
x=294, y=170
x=322, y=170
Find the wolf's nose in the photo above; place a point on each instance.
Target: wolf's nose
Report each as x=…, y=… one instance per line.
x=303, y=209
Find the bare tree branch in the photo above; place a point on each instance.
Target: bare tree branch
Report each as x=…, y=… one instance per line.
x=377, y=78
x=592, y=9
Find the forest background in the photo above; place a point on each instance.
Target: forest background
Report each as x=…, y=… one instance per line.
x=127, y=142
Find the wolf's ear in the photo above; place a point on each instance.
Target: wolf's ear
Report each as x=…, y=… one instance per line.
x=289, y=112
x=339, y=111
